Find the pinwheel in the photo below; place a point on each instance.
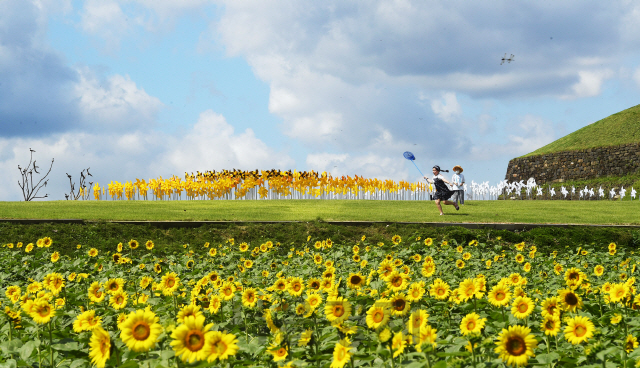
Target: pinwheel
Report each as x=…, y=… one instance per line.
x=623, y=192
x=612, y=193
x=633, y=193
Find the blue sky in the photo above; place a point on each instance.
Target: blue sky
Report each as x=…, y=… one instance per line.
x=142, y=89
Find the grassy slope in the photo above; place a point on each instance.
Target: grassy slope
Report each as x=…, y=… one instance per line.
x=575, y=212
x=620, y=128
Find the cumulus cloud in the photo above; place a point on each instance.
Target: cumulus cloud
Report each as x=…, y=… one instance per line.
x=448, y=108
x=589, y=83
x=114, y=103
x=210, y=144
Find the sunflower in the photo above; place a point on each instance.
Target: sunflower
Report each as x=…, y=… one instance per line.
x=99, y=347
x=118, y=300
x=249, y=298
x=213, y=252
x=396, y=239
x=113, y=286
x=522, y=307
x=618, y=292
x=466, y=256
x=116, y=257
x=631, y=342
x=416, y=291
x=46, y=242
x=578, y=329
x=305, y=338
x=133, y=244
x=515, y=279
x=617, y=317
x=515, y=345
x=573, y=276
x=550, y=307
x=337, y=310
x=54, y=282
x=313, y=299
x=188, y=310
x=400, y=306
x=612, y=246
x=377, y=315
x=527, y=267
x=598, y=270
x=570, y=300
x=170, y=283
x=396, y=281
x=398, y=343
x=190, y=339
x=428, y=242
x=295, y=286
x=189, y=264
x=215, y=302
x=459, y=249
x=385, y=268
x=460, y=264
x=221, y=346
x=468, y=288
x=550, y=325
x=279, y=285
x=439, y=290
x=279, y=353
x=355, y=281
x=149, y=244
x=86, y=321
x=95, y=295
x=472, y=323
x=499, y=295
x=417, y=320
x=428, y=268
x=227, y=290
x=428, y=335
x=42, y=312
x=140, y=330
x=558, y=268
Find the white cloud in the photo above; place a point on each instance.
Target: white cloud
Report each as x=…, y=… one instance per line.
x=210, y=144
x=448, y=108
x=105, y=19
x=369, y=165
x=636, y=76
x=213, y=144
x=115, y=103
x=589, y=84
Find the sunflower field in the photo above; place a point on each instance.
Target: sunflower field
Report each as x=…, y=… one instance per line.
x=408, y=302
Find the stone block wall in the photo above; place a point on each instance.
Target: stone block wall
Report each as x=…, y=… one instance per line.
x=576, y=165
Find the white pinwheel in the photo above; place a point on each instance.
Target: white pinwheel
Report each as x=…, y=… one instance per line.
x=633, y=193
x=623, y=192
x=564, y=191
x=612, y=193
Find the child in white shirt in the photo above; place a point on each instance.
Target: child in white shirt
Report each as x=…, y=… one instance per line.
x=457, y=182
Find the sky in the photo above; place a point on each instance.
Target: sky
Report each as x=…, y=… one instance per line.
x=141, y=89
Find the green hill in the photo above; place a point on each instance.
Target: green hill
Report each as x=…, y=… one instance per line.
x=620, y=128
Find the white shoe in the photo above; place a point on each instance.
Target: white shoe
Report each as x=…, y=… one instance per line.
x=441, y=214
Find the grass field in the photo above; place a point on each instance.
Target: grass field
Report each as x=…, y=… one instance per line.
x=547, y=212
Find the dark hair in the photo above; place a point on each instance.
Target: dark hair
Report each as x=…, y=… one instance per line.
x=438, y=168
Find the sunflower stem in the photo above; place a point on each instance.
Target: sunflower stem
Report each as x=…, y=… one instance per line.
x=50, y=343
x=393, y=363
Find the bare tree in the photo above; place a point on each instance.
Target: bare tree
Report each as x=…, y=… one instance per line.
x=82, y=190
x=30, y=190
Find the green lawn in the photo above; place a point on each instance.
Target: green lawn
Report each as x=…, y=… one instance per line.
x=555, y=212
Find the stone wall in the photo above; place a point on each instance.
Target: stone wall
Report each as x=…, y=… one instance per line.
x=576, y=165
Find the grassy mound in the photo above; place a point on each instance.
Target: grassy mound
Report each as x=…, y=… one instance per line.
x=620, y=128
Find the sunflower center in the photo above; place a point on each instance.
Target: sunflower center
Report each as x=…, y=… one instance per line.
x=440, y=291
x=399, y=304
x=580, y=330
x=141, y=330
x=500, y=295
x=171, y=282
x=315, y=285
x=574, y=276
x=341, y=354
x=516, y=346
x=44, y=311
x=98, y=294
x=119, y=299
x=415, y=293
x=338, y=311
x=471, y=325
x=113, y=287
x=194, y=340
x=220, y=347
x=417, y=322
x=620, y=293
x=523, y=307
x=397, y=281
x=297, y=287
x=549, y=325
x=378, y=316
x=356, y=280
x=571, y=299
